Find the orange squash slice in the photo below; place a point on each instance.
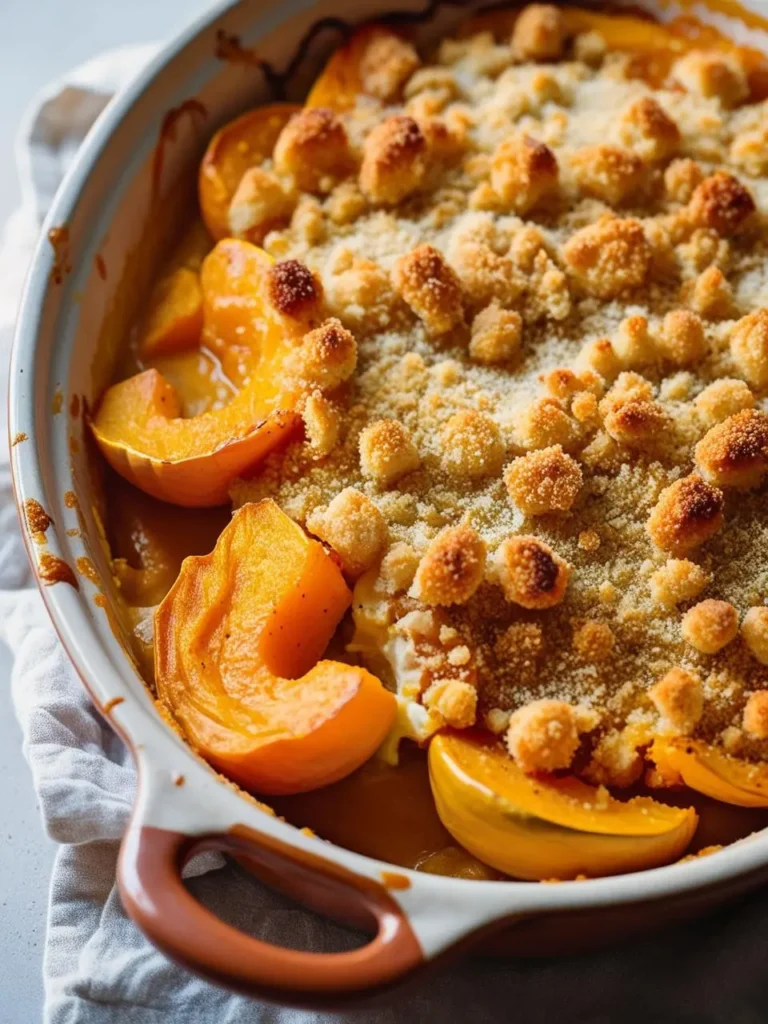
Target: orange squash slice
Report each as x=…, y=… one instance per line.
x=174, y=320
x=237, y=643
x=538, y=827
x=709, y=771
x=241, y=144
x=341, y=82
x=192, y=461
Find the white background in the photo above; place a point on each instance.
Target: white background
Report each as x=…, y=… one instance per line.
x=39, y=40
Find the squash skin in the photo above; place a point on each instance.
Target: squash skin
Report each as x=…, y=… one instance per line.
x=708, y=771
x=237, y=643
x=542, y=827
x=243, y=143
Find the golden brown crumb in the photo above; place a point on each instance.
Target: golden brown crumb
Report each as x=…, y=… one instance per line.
x=615, y=760
x=636, y=422
x=681, y=339
x=633, y=343
x=454, y=700
x=530, y=573
x=353, y=527
x=345, y=203
x=712, y=74
x=544, y=422
x=749, y=150
x=394, y=160
x=589, y=540
x=259, y=204
x=496, y=335
x=681, y=179
x=313, y=149
x=294, y=290
x=723, y=398
x=710, y=625
x=398, y=568
x=387, y=452
x=524, y=173
x=734, y=453
x=608, y=173
x=600, y=356
x=722, y=203
x=539, y=33
x=710, y=295
x=593, y=640
x=584, y=408
x=649, y=130
x=451, y=568
x=360, y=293
x=430, y=287
x=687, y=514
x=756, y=715
x=628, y=386
x=609, y=257
x=485, y=274
x=520, y=644
x=679, y=699
x=543, y=736
x=326, y=357
x=544, y=481
x=472, y=446
x=754, y=632
x=562, y=383
x=678, y=580
x=308, y=220
x=321, y=424
x=749, y=347
x=386, y=65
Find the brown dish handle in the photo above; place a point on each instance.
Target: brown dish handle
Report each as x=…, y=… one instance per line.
x=151, y=887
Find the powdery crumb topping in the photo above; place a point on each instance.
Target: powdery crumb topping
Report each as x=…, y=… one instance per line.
x=454, y=700
x=755, y=719
x=579, y=225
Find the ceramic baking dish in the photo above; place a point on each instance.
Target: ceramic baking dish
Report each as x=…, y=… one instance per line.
x=92, y=258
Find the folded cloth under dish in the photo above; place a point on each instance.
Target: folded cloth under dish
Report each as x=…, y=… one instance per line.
x=98, y=968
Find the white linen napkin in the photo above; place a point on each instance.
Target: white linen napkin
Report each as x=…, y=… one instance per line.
x=98, y=968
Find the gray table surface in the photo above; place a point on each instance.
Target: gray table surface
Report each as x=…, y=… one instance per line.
x=39, y=40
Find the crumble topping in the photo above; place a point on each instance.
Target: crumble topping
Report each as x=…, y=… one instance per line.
x=542, y=294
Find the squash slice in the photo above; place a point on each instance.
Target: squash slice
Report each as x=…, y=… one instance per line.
x=241, y=144
x=709, y=771
x=547, y=827
x=237, y=643
x=192, y=461
x=340, y=83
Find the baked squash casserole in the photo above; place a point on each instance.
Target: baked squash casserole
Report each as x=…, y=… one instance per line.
x=475, y=344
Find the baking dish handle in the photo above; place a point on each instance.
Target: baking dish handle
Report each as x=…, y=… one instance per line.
x=154, y=895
